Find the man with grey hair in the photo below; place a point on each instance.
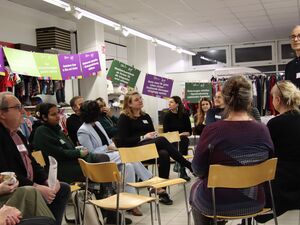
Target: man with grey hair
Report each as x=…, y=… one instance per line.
x=15, y=157
x=292, y=69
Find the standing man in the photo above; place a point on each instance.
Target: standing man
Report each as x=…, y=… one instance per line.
x=74, y=122
x=15, y=157
x=292, y=69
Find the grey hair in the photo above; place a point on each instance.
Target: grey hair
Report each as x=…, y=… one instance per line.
x=3, y=97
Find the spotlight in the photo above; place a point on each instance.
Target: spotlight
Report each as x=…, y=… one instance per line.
x=118, y=27
x=154, y=42
x=125, y=32
x=77, y=15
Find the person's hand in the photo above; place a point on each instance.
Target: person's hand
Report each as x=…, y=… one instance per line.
x=112, y=147
x=9, y=215
x=107, y=111
x=6, y=187
x=150, y=135
x=47, y=193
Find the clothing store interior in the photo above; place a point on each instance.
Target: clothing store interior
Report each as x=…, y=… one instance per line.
x=149, y=112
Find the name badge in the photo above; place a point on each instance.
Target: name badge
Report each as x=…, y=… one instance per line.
x=297, y=75
x=22, y=148
x=218, y=117
x=62, y=141
x=145, y=121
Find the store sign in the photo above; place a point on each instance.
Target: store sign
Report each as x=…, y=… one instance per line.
x=69, y=66
x=194, y=92
x=121, y=73
x=90, y=63
x=21, y=62
x=47, y=65
x=2, y=69
x=157, y=86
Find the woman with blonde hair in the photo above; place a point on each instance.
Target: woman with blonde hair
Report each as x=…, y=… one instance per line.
x=135, y=128
x=203, y=106
x=285, y=130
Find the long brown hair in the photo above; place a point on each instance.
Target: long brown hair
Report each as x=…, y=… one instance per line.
x=200, y=113
x=126, y=108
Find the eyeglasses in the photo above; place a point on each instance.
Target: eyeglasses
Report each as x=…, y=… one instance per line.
x=18, y=107
x=293, y=36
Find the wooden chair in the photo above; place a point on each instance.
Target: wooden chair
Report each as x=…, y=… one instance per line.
x=39, y=158
x=220, y=176
x=122, y=201
x=146, y=152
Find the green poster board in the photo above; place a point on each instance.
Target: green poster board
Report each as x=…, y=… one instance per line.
x=195, y=91
x=21, y=62
x=121, y=73
x=48, y=65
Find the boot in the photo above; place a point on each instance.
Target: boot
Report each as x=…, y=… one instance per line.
x=183, y=174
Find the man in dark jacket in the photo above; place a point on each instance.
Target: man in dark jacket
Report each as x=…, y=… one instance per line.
x=15, y=157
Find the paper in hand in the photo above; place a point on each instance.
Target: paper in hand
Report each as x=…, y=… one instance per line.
x=52, y=177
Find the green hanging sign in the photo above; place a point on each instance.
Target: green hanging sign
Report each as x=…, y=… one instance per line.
x=121, y=73
x=48, y=65
x=196, y=91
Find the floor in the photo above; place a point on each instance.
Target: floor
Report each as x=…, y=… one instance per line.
x=176, y=213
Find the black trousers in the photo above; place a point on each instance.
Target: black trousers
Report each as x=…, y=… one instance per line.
x=183, y=145
x=166, y=150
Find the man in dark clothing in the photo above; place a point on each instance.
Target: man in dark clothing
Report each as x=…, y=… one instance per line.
x=74, y=122
x=292, y=69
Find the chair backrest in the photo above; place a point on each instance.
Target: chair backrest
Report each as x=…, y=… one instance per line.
x=38, y=156
x=100, y=172
x=241, y=176
x=138, y=154
x=172, y=137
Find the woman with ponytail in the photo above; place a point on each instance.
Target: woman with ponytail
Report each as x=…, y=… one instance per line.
x=285, y=130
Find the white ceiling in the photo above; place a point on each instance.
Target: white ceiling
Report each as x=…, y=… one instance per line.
x=195, y=23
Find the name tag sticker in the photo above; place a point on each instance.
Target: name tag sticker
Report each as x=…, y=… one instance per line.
x=297, y=75
x=21, y=148
x=62, y=141
x=218, y=117
x=145, y=121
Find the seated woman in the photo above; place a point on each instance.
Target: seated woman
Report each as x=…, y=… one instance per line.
x=203, y=106
x=18, y=203
x=177, y=119
x=245, y=142
x=50, y=139
x=107, y=119
x=285, y=130
x=92, y=135
x=136, y=128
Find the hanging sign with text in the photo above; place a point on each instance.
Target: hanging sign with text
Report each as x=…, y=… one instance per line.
x=69, y=66
x=2, y=69
x=90, y=63
x=21, y=62
x=156, y=86
x=120, y=73
x=195, y=91
x=47, y=65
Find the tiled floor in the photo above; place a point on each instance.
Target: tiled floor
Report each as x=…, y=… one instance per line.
x=176, y=213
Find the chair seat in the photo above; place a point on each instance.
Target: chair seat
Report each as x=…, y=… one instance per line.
x=157, y=182
x=127, y=201
x=263, y=211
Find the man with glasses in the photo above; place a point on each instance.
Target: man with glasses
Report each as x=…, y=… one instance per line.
x=15, y=157
x=292, y=69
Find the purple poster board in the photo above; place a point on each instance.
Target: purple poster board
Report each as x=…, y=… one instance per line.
x=2, y=69
x=69, y=66
x=157, y=86
x=90, y=63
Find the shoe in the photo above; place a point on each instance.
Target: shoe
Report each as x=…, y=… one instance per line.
x=114, y=221
x=183, y=174
x=164, y=198
x=135, y=212
x=176, y=167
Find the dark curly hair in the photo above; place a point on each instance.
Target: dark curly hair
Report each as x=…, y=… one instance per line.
x=89, y=112
x=43, y=110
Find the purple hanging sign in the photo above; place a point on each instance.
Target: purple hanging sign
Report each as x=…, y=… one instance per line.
x=157, y=86
x=2, y=69
x=90, y=63
x=69, y=66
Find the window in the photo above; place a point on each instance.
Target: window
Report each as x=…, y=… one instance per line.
x=210, y=56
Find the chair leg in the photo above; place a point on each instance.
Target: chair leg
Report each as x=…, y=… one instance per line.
x=151, y=212
x=189, y=216
x=186, y=202
x=158, y=214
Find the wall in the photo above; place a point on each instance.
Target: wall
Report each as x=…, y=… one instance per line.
x=19, y=23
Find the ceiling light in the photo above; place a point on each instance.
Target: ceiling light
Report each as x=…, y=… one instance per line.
x=163, y=43
x=179, y=50
x=69, y=8
x=58, y=3
x=118, y=27
x=125, y=32
x=138, y=34
x=154, y=42
x=77, y=15
x=188, y=52
x=97, y=18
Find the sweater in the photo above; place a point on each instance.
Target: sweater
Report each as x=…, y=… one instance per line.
x=243, y=143
x=172, y=122
x=109, y=124
x=73, y=124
